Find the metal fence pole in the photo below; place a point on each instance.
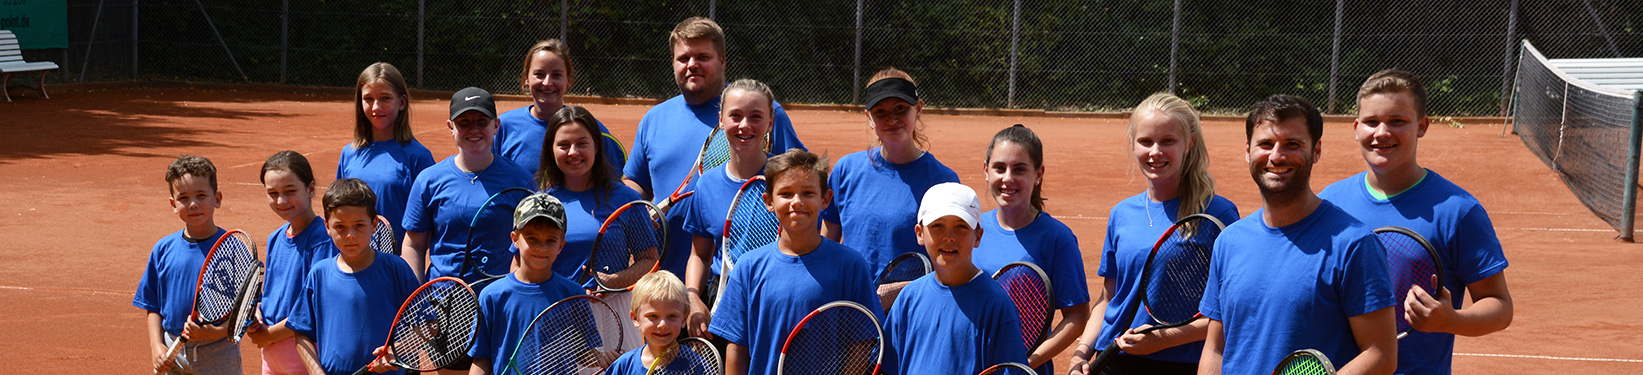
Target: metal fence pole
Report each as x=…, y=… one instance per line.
x=1174, y=45
x=1335, y=55
x=1506, y=62
x=134, y=46
x=221, y=41
x=285, y=35
x=855, y=82
x=564, y=21
x=712, y=9
x=421, y=14
x=1015, y=41
x=90, y=40
x=1628, y=208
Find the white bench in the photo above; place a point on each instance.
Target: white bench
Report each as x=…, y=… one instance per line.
x=11, y=61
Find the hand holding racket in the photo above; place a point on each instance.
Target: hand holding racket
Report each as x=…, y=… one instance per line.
x=629, y=245
x=715, y=151
x=576, y=333
x=1172, y=281
x=223, y=278
x=748, y=226
x=1414, y=263
x=689, y=356
x=1029, y=288
x=1305, y=362
x=486, y=256
x=841, y=337
x=434, y=327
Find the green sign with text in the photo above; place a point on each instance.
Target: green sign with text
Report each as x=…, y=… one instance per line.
x=37, y=23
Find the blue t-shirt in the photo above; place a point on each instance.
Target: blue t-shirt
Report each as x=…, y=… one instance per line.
x=506, y=309
x=633, y=363
x=521, y=136
x=936, y=329
x=442, y=203
x=1133, y=228
x=769, y=292
x=349, y=314
x=585, y=211
x=388, y=168
x=665, y=147
x=1456, y=225
x=289, y=259
x=706, y=210
x=875, y=203
x=1278, y=290
x=1045, y=242
x=172, y=275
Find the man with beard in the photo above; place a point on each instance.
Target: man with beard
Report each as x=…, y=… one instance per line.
x=1299, y=273
x=671, y=135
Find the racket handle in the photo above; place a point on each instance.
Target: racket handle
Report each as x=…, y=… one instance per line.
x=176, y=347
x=363, y=370
x=1102, y=359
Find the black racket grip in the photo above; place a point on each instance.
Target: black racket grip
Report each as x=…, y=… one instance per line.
x=363, y=370
x=1102, y=359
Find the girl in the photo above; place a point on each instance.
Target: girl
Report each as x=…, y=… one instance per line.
x=878, y=190
x=384, y=154
x=745, y=117
x=1020, y=230
x=292, y=249
x=1168, y=145
x=546, y=78
x=575, y=171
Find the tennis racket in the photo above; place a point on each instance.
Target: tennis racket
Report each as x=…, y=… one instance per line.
x=1029, y=288
x=245, y=313
x=574, y=335
x=748, y=226
x=383, y=238
x=434, y=327
x=715, y=151
x=906, y=267
x=1009, y=368
x=841, y=337
x=1413, y=262
x=1305, y=362
x=689, y=356
x=629, y=245
x=231, y=261
x=487, y=255
x=1172, y=281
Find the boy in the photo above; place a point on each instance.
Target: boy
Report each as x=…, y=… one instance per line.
x=929, y=326
x=774, y=286
x=507, y=306
x=659, y=307
x=166, y=290
x=1396, y=190
x=349, y=301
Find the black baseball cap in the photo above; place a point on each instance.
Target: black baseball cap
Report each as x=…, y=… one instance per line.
x=891, y=88
x=472, y=99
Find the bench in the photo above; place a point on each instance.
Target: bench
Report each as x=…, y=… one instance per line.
x=11, y=61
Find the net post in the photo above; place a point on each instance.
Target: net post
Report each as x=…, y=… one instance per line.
x=1628, y=209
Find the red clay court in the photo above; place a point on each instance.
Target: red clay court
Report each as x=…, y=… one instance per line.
x=82, y=200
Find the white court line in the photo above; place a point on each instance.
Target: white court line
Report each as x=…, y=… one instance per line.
x=1560, y=229
x=87, y=291
x=1082, y=217
x=1551, y=358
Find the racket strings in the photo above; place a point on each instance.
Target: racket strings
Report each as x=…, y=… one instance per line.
x=436, y=327
x=838, y=340
x=1176, y=284
x=229, y=265
x=1031, y=297
x=574, y=333
x=631, y=232
x=1411, y=265
x=906, y=269
x=488, y=249
x=383, y=238
x=717, y=151
x=691, y=357
x=751, y=225
x=1304, y=363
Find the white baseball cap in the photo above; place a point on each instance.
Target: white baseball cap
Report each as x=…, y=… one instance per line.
x=950, y=198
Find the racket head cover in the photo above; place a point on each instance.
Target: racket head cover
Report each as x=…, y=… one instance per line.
x=382, y=240
x=435, y=325
x=689, y=356
x=1178, y=269
x=840, y=337
x=488, y=249
x=245, y=313
x=905, y=267
x=1412, y=261
x=226, y=267
x=1305, y=362
x=748, y=225
x=572, y=335
x=1013, y=368
x=1029, y=288
x=635, y=231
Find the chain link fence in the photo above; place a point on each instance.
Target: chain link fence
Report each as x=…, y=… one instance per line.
x=1065, y=56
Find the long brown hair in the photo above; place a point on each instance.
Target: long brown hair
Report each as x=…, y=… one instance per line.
x=1019, y=134
x=1197, y=186
x=382, y=72
x=548, y=175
